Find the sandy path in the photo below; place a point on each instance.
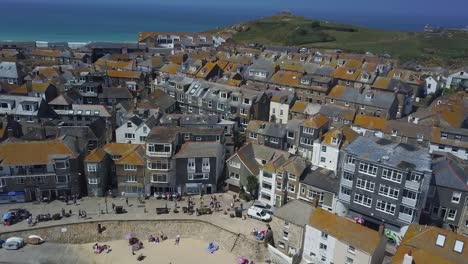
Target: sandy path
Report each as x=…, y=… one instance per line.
x=189, y=251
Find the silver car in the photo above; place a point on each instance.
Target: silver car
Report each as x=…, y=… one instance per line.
x=13, y=243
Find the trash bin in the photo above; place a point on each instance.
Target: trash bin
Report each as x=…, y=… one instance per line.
x=238, y=212
x=119, y=210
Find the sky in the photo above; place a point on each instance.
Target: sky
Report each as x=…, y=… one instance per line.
x=435, y=8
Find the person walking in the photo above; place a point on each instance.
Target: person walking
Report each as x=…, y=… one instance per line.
x=126, y=200
x=177, y=240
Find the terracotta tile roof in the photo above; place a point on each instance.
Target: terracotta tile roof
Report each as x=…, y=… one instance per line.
x=32, y=152
x=205, y=70
x=133, y=157
x=119, y=149
x=170, y=68
x=371, y=122
x=109, y=64
x=97, y=155
x=345, y=73
x=21, y=90
x=299, y=107
x=345, y=230
x=233, y=82
x=345, y=132
x=48, y=72
x=421, y=241
x=453, y=109
x=436, y=137
x=288, y=78
x=291, y=66
x=382, y=83
x=222, y=64
x=124, y=74
x=317, y=121
x=46, y=53
x=337, y=91
x=177, y=58
x=355, y=64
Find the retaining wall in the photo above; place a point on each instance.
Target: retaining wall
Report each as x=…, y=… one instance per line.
x=79, y=233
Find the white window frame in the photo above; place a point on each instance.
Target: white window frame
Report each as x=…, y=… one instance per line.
x=92, y=167
x=93, y=181
x=368, y=169
x=456, y=197
x=131, y=178
x=157, y=175
x=191, y=165
x=130, y=167
x=363, y=200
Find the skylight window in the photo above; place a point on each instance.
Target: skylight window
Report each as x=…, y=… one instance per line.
x=440, y=240
x=458, y=246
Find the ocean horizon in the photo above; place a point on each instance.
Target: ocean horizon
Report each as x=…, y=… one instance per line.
x=86, y=21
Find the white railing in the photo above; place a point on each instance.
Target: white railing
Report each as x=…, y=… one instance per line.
x=349, y=167
x=405, y=217
x=344, y=197
x=408, y=201
x=347, y=183
x=412, y=185
x=159, y=154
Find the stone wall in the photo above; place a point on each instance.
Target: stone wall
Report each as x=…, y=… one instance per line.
x=116, y=230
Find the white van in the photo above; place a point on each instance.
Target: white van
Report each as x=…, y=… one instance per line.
x=258, y=213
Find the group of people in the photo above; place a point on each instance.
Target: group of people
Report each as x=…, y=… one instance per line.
x=214, y=203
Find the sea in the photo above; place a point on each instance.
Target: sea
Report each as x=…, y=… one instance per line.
x=84, y=21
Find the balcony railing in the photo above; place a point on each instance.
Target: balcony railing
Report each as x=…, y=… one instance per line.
x=159, y=154
x=346, y=183
x=412, y=185
x=344, y=197
x=349, y=167
x=408, y=201
x=405, y=217
x=32, y=172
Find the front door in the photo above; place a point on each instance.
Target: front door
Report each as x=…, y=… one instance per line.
x=208, y=189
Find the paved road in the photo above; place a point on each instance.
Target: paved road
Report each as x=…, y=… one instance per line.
x=135, y=211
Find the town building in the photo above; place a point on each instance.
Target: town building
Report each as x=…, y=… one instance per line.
x=24, y=108
x=270, y=134
x=10, y=73
x=449, y=140
x=458, y=79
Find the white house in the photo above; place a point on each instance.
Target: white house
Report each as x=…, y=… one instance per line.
x=135, y=130
x=460, y=76
x=268, y=181
x=279, y=107
x=330, y=238
x=432, y=84
x=326, y=152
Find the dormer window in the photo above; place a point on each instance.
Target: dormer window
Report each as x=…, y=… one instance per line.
x=350, y=71
x=365, y=76
x=262, y=126
x=334, y=140
x=397, y=75
x=318, y=59
x=193, y=68
x=247, y=101
x=369, y=96
x=394, y=133
x=443, y=135
x=223, y=95
x=305, y=81
x=302, y=58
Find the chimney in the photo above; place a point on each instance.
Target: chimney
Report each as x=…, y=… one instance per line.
x=408, y=258
x=382, y=229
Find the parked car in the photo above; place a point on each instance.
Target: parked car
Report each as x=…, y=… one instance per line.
x=19, y=214
x=258, y=213
x=13, y=243
x=262, y=205
x=1, y=242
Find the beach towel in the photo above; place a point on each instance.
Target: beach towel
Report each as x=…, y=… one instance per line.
x=212, y=247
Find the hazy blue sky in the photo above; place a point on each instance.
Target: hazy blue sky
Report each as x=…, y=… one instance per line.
x=376, y=7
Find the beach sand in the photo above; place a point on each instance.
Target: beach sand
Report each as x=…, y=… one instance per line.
x=189, y=251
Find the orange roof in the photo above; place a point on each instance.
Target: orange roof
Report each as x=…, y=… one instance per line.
x=233, y=82
x=317, y=121
x=421, y=242
x=346, y=73
x=209, y=66
x=49, y=72
x=288, y=78
x=124, y=74
x=222, y=64
x=346, y=230
x=371, y=122
x=299, y=107
x=436, y=137
x=337, y=91
x=291, y=66
x=46, y=53
x=177, y=58
x=119, y=149
x=382, y=83
x=133, y=157
x=109, y=64
x=170, y=68
x=23, y=89
x=348, y=135
x=97, y=155
x=452, y=110
x=32, y=152
x=393, y=74
x=355, y=64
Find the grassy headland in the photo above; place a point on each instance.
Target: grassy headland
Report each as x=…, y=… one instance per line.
x=448, y=48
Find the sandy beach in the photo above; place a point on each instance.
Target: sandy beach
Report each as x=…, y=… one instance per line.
x=188, y=251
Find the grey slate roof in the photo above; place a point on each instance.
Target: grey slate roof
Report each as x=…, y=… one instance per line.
x=200, y=150
x=115, y=92
x=136, y=120
x=296, y=212
x=270, y=128
x=401, y=156
x=322, y=178
x=8, y=70
x=451, y=174
x=377, y=99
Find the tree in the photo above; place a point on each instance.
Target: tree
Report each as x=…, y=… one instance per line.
x=252, y=185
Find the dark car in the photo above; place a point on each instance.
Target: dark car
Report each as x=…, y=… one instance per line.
x=19, y=214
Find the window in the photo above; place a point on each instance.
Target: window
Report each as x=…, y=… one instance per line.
x=368, y=169
x=62, y=178
x=210, y=104
x=130, y=167
x=443, y=135
x=253, y=135
x=324, y=148
x=362, y=200
x=2, y=182
x=324, y=258
x=458, y=247
x=191, y=165
x=290, y=134
x=452, y=213
x=410, y=194
x=292, y=176
x=308, y=130
x=159, y=148
x=20, y=180
x=142, y=138
x=281, y=112
x=388, y=191
x=351, y=250
x=234, y=176
x=61, y=164
x=273, y=110
x=392, y=175
x=161, y=178
x=92, y=167
x=246, y=101
x=198, y=176
x=345, y=191
x=220, y=106
x=323, y=159
x=323, y=246
x=413, y=177
x=279, y=185
x=266, y=185
x=440, y=240
x=385, y=207
x=243, y=111
x=159, y=165
x=281, y=245
x=235, y=99
x=350, y=160
x=129, y=124
x=92, y=181
x=274, y=140
x=349, y=260
x=324, y=235
x=456, y=196
x=291, y=188
x=235, y=164
x=131, y=178
x=365, y=185
x=307, y=141
x=206, y=164
x=285, y=235
x=348, y=176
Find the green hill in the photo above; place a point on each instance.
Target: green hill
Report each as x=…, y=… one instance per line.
x=448, y=48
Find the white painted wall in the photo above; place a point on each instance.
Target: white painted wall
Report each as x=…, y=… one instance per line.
x=143, y=130
x=312, y=240
x=431, y=86
x=280, y=111
x=461, y=153
x=271, y=192
x=460, y=74
x=331, y=156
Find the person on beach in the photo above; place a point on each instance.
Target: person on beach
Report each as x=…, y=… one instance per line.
x=177, y=240
x=126, y=200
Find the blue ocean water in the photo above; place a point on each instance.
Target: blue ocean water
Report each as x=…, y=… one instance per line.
x=71, y=20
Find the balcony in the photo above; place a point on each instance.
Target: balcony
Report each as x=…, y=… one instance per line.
x=344, y=197
x=412, y=185
x=349, y=167
x=405, y=217
x=408, y=201
x=32, y=172
x=159, y=154
x=346, y=183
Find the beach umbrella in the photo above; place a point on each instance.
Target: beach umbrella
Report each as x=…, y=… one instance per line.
x=129, y=236
x=7, y=216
